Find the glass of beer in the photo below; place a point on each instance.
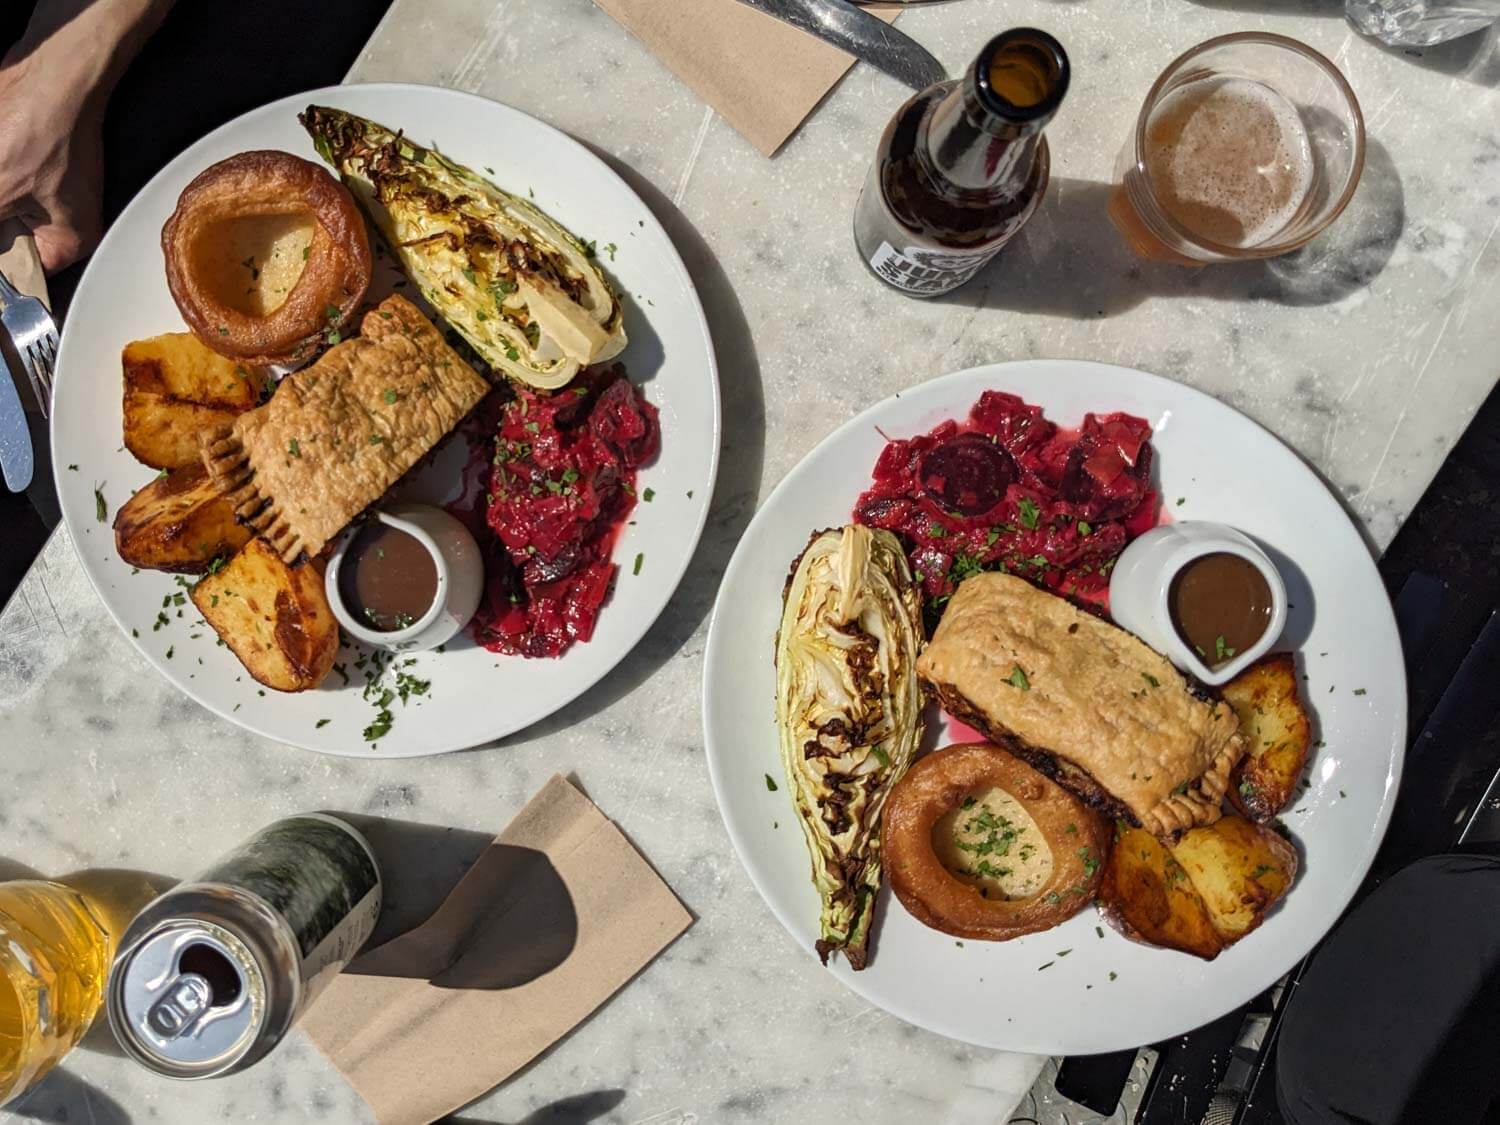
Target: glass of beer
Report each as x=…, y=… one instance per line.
x=1248, y=146
x=54, y=958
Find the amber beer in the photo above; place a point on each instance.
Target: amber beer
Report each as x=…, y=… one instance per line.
x=1223, y=164
x=1229, y=160
x=962, y=166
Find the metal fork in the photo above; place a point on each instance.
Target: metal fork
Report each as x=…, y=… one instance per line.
x=34, y=334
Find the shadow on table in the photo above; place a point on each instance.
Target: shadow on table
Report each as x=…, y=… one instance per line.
x=573, y=1110
x=64, y=1097
x=1070, y=261
x=449, y=912
x=1474, y=58
x=741, y=456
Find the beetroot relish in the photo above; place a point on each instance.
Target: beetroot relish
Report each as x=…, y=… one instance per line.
x=1009, y=490
x=560, y=485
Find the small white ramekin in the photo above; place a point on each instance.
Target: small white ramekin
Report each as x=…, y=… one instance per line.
x=1141, y=584
x=460, y=579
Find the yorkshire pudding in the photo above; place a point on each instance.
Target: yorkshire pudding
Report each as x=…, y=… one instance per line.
x=1010, y=821
x=266, y=255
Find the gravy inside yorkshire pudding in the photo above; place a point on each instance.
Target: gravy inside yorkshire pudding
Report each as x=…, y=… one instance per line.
x=980, y=845
x=266, y=255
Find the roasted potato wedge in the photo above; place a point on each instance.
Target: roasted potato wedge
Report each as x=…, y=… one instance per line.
x=179, y=522
x=174, y=387
x=1148, y=896
x=273, y=616
x=1277, y=730
x=1200, y=894
x=1239, y=870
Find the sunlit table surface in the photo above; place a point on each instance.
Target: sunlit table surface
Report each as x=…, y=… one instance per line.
x=1368, y=354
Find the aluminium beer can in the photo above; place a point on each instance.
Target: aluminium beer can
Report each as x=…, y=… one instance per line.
x=212, y=974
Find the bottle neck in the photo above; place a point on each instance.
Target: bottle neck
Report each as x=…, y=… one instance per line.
x=975, y=151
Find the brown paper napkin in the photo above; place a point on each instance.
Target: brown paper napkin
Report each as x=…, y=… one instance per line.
x=554, y=917
x=763, y=75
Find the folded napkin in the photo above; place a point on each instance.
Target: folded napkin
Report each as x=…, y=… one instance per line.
x=764, y=76
x=554, y=916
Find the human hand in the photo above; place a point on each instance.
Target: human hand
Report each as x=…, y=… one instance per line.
x=51, y=161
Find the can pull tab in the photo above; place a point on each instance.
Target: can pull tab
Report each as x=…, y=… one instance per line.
x=180, y=1006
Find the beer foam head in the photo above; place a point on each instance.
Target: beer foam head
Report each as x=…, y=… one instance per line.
x=1229, y=159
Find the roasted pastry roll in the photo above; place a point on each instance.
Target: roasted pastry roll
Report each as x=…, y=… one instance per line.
x=338, y=433
x=1086, y=703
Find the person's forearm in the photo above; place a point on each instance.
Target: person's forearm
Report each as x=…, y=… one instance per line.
x=83, y=46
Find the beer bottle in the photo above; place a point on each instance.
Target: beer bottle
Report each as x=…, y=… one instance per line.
x=962, y=166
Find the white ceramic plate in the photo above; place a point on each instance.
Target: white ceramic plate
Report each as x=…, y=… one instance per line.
x=476, y=695
x=1099, y=993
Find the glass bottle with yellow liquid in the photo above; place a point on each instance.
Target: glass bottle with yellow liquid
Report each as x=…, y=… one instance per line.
x=56, y=944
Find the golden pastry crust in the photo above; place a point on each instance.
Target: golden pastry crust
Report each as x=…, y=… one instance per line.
x=1101, y=713
x=337, y=434
x=1078, y=838
x=330, y=286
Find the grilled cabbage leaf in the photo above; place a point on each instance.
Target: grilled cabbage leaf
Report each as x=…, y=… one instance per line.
x=520, y=288
x=849, y=710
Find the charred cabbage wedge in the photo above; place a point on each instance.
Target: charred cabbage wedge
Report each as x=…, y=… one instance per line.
x=849, y=709
x=522, y=290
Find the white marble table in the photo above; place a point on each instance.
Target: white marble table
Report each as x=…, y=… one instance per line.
x=1369, y=355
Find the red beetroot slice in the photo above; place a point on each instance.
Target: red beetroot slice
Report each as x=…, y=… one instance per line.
x=968, y=474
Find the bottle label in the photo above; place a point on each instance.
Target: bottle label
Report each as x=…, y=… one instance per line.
x=917, y=269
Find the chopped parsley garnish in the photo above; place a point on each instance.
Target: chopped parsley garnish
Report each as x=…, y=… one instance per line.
x=880, y=755
x=321, y=723
x=101, y=509
x=389, y=395
x=770, y=783
x=1090, y=864
x=1150, y=679
x=636, y=569
x=1222, y=651
x=381, y=726
x=1112, y=974
x=969, y=803
x=1084, y=527
x=293, y=448
x=1359, y=691
x=511, y=353
x=1048, y=965
x=1263, y=869
x=647, y=494
x=964, y=566
x=1017, y=678
x=376, y=439
x=1029, y=511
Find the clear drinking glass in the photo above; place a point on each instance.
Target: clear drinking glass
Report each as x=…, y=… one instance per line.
x=1421, y=23
x=1247, y=146
x=54, y=957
